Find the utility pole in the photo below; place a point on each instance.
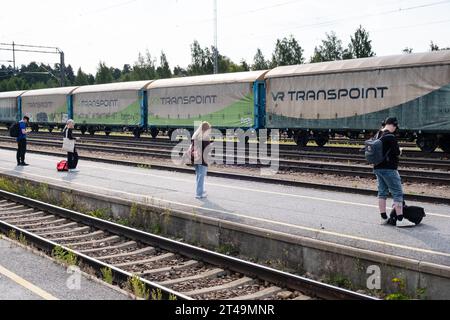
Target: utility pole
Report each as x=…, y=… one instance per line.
x=14, y=57
x=37, y=49
x=216, y=50
x=63, y=68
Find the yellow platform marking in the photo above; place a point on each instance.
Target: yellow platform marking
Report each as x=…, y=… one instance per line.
x=316, y=231
x=27, y=285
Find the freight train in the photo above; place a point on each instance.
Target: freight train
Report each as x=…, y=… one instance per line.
x=309, y=101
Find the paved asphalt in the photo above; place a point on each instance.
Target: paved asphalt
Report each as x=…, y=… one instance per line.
x=331, y=216
x=27, y=276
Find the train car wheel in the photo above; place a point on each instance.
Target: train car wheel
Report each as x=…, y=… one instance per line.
x=108, y=131
x=91, y=131
x=427, y=143
x=301, y=139
x=137, y=133
x=321, y=139
x=154, y=132
x=444, y=144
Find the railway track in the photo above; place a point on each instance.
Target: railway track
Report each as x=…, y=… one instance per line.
x=172, y=268
x=348, y=145
x=294, y=161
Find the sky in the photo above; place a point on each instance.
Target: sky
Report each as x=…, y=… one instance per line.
x=115, y=31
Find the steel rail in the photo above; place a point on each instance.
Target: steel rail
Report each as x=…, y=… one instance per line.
x=277, y=277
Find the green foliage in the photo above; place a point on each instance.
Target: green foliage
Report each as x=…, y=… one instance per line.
x=12, y=234
x=107, y=275
x=63, y=256
x=104, y=74
x=99, y=213
x=287, y=52
x=340, y=281
x=401, y=290
x=138, y=287
x=360, y=46
x=330, y=49
x=23, y=239
x=259, y=61
x=157, y=294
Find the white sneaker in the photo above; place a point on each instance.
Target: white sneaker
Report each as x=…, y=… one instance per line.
x=74, y=170
x=383, y=221
x=405, y=223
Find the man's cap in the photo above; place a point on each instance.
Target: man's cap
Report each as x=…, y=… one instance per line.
x=391, y=120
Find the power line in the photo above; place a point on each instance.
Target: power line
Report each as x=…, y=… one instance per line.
x=370, y=15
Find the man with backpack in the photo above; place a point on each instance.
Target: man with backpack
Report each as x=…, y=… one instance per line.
x=22, y=141
x=383, y=152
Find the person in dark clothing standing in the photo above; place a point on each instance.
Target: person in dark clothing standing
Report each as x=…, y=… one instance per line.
x=200, y=141
x=72, y=157
x=22, y=142
x=388, y=177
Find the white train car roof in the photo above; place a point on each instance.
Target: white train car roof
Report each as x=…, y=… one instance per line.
x=222, y=78
x=49, y=92
x=11, y=94
x=116, y=86
x=363, y=64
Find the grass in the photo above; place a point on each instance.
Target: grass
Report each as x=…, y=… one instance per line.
x=138, y=287
x=63, y=256
x=107, y=275
x=340, y=281
x=401, y=293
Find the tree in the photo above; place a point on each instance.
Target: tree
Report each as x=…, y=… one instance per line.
x=81, y=79
x=330, y=49
x=70, y=76
x=360, y=46
x=163, y=71
x=435, y=47
x=259, y=61
x=287, y=52
x=144, y=68
x=104, y=74
x=407, y=50
x=116, y=73
x=201, y=60
x=180, y=72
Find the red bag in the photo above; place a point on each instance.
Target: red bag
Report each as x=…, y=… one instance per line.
x=62, y=166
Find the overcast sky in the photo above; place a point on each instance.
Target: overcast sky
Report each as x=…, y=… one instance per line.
x=115, y=31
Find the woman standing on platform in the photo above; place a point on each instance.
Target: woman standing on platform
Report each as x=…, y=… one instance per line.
x=72, y=156
x=200, y=141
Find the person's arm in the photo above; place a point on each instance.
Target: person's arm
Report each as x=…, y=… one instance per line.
x=23, y=126
x=395, y=148
x=70, y=135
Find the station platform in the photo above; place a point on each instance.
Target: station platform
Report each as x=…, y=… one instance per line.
x=25, y=275
x=347, y=219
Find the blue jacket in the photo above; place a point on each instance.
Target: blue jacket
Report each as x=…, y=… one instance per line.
x=22, y=125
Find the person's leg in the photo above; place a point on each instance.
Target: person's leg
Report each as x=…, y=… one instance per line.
x=70, y=160
x=204, y=173
x=24, y=151
x=383, y=193
x=19, y=152
x=395, y=187
x=75, y=158
x=197, y=181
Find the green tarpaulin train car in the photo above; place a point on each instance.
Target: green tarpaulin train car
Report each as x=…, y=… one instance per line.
x=308, y=101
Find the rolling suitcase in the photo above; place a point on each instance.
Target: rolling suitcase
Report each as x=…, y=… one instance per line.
x=62, y=166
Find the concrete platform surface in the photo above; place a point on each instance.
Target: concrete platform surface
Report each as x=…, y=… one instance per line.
x=28, y=276
x=341, y=218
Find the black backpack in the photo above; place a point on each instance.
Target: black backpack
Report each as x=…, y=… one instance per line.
x=14, y=130
x=412, y=213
